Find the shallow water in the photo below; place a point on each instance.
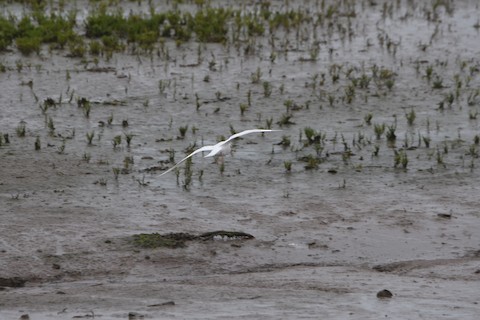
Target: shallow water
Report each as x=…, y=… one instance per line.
x=318, y=233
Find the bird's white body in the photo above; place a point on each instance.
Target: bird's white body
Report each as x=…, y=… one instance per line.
x=220, y=149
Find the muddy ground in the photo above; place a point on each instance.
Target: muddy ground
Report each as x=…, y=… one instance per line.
x=329, y=234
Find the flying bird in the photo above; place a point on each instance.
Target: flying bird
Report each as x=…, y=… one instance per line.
x=220, y=149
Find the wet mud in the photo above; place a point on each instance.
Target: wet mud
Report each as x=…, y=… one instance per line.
x=329, y=218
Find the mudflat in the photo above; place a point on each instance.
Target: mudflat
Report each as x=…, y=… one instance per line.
x=364, y=206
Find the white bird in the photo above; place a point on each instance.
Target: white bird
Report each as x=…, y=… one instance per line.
x=220, y=149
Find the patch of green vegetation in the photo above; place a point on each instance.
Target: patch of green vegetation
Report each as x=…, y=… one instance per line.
x=104, y=24
x=210, y=24
x=287, y=20
x=178, y=240
x=400, y=158
x=55, y=28
x=21, y=130
x=250, y=23
x=379, y=129
x=285, y=120
x=313, y=137
x=32, y=31
x=312, y=162
x=116, y=29
x=368, y=118
x=135, y=28
x=116, y=141
x=411, y=116
x=28, y=45
x=7, y=32
x=391, y=136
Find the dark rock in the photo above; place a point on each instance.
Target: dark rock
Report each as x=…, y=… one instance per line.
x=232, y=235
x=163, y=304
x=14, y=282
x=135, y=315
x=383, y=294
x=444, y=215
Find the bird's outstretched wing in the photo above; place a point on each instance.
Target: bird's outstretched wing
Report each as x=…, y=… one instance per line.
x=219, y=146
x=204, y=148
x=236, y=135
